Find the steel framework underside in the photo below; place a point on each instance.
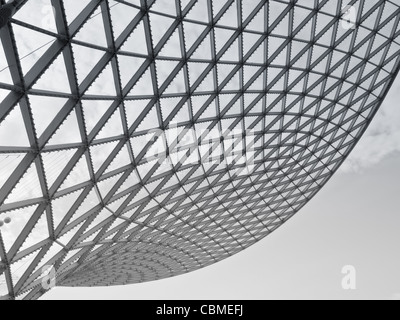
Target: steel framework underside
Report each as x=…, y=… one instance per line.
x=81, y=92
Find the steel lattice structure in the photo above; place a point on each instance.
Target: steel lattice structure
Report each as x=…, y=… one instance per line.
x=80, y=91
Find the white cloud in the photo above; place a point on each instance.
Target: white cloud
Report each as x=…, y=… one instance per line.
x=382, y=138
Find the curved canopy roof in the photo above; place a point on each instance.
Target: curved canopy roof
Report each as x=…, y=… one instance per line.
x=145, y=139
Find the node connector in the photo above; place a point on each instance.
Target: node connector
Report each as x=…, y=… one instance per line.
x=6, y=13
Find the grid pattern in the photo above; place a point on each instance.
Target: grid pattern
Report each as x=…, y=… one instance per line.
x=81, y=91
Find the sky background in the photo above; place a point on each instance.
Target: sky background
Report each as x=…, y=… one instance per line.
x=354, y=221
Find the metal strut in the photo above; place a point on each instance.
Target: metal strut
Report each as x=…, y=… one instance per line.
x=6, y=12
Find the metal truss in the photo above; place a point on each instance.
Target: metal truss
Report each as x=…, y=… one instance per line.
x=80, y=91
